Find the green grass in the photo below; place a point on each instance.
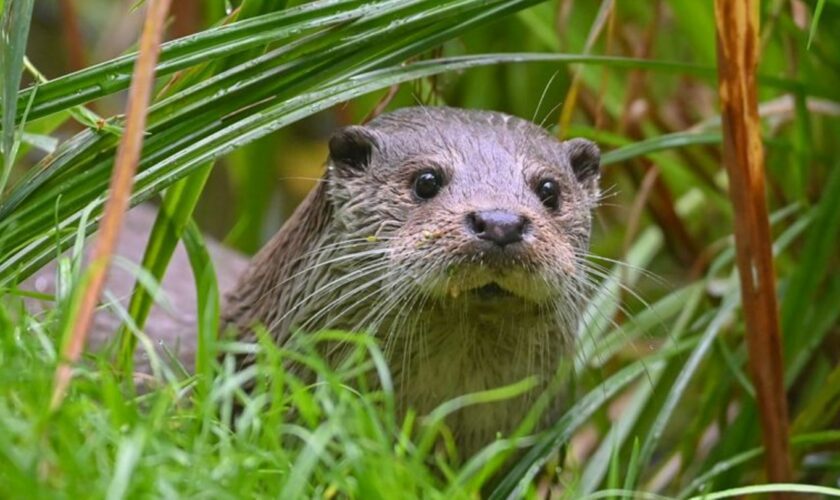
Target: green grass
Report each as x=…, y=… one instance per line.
x=663, y=401
x=177, y=441
x=339, y=436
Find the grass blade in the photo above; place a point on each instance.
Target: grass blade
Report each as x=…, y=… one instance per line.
x=521, y=473
x=815, y=22
x=174, y=215
x=804, y=440
x=208, y=306
x=819, y=248
x=678, y=390
x=115, y=75
x=13, y=36
x=804, y=489
x=180, y=157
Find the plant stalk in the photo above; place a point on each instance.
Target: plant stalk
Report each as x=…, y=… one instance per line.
x=743, y=156
x=122, y=181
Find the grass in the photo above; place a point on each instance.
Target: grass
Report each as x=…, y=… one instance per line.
x=176, y=441
x=182, y=437
x=664, y=403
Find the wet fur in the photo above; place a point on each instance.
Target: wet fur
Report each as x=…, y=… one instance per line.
x=363, y=253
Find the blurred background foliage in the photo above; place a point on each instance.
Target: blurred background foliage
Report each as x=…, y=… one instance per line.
x=265, y=180
x=667, y=208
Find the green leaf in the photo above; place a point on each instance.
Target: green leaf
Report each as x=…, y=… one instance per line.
x=677, y=392
x=208, y=307
x=174, y=215
x=521, y=473
x=14, y=33
x=659, y=143
x=820, y=248
x=180, y=147
x=815, y=22
x=115, y=75
x=801, y=441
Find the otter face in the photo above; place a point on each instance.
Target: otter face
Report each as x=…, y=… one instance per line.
x=456, y=238
x=470, y=206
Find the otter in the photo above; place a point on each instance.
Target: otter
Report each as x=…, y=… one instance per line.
x=456, y=237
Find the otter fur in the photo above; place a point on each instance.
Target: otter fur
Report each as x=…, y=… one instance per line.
x=455, y=237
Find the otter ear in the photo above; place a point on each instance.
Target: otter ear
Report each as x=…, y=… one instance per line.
x=351, y=148
x=585, y=158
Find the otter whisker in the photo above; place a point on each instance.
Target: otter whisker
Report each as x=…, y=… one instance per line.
x=401, y=294
x=297, y=306
x=401, y=323
x=542, y=98
x=383, y=309
x=342, y=299
x=398, y=295
x=372, y=327
x=320, y=264
x=588, y=319
x=408, y=324
x=630, y=291
x=330, y=248
x=592, y=269
x=585, y=257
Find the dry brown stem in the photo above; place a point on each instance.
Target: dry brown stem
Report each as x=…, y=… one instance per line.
x=743, y=155
x=71, y=35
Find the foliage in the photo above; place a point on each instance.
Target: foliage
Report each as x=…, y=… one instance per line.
x=663, y=403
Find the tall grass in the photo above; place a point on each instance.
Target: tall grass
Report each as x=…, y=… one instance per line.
x=664, y=402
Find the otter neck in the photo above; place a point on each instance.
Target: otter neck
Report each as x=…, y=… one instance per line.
x=266, y=292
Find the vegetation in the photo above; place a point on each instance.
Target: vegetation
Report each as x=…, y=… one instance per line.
x=665, y=403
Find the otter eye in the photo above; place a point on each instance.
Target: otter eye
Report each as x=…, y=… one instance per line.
x=549, y=193
x=427, y=184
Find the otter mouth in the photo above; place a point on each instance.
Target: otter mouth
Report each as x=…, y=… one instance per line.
x=488, y=286
x=491, y=291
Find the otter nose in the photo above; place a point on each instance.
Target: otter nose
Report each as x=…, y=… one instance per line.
x=498, y=226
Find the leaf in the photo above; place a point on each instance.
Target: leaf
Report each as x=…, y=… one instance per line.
x=815, y=22
x=208, y=307
x=180, y=146
x=14, y=33
x=522, y=472
x=677, y=391
x=802, y=287
x=800, y=441
x=115, y=75
x=627, y=424
x=175, y=213
x=659, y=143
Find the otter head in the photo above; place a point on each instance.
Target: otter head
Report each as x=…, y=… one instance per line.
x=473, y=209
x=456, y=237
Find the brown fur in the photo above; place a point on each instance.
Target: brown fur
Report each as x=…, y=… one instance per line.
x=364, y=253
